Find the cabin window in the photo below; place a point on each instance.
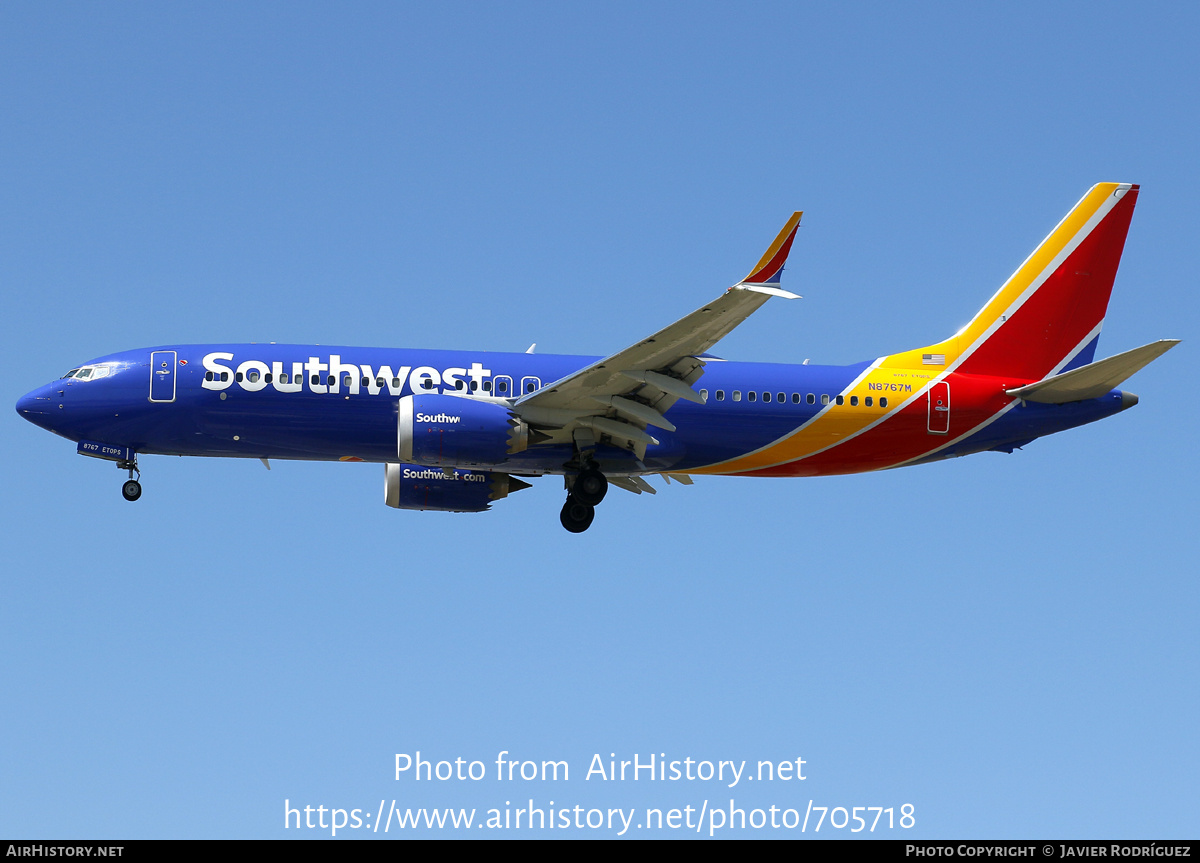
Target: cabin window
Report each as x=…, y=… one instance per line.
x=487, y=386
x=737, y=395
x=811, y=398
x=395, y=383
x=704, y=394
x=781, y=398
x=502, y=387
x=824, y=399
x=720, y=395
x=868, y=401
x=853, y=401
x=346, y=381
x=529, y=387
x=252, y=376
x=883, y=401
x=331, y=380
x=766, y=397
x=751, y=396
x=795, y=398
x=841, y=400
x=365, y=382
x=283, y=377
x=315, y=380
x=474, y=386
x=427, y=383
x=208, y=376
x=458, y=385
x=267, y=377
x=237, y=376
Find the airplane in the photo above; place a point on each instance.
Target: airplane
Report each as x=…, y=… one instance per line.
x=457, y=431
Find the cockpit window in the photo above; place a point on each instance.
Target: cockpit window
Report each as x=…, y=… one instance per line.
x=85, y=373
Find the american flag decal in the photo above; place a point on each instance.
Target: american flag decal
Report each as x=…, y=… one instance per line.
x=933, y=359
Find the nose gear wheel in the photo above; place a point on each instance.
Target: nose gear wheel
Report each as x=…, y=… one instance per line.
x=131, y=489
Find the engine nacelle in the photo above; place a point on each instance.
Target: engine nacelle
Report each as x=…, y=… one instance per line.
x=443, y=430
x=411, y=486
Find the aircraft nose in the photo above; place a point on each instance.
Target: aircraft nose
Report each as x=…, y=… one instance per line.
x=36, y=405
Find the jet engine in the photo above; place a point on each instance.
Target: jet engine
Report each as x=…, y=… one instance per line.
x=411, y=486
x=441, y=430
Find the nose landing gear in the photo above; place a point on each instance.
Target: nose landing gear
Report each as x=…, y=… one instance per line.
x=131, y=489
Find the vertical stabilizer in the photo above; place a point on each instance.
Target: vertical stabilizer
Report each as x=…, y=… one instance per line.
x=1046, y=318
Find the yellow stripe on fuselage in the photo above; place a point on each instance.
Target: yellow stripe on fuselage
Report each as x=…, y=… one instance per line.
x=836, y=423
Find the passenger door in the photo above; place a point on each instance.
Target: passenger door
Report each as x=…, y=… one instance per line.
x=939, y=408
x=162, y=376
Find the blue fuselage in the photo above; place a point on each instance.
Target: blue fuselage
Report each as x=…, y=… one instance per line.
x=340, y=403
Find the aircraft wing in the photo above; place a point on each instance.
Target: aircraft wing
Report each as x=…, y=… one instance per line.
x=622, y=394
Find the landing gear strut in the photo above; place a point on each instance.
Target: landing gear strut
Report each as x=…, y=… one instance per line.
x=131, y=489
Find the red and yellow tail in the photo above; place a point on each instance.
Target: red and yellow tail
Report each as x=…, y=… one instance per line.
x=1046, y=318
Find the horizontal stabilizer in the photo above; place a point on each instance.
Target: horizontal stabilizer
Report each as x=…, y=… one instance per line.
x=1093, y=380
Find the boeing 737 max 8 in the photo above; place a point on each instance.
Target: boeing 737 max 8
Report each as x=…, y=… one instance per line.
x=458, y=430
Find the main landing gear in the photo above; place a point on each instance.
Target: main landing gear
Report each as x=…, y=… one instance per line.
x=587, y=491
x=131, y=489
x=576, y=516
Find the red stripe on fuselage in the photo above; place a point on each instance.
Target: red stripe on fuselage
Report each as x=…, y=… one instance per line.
x=905, y=434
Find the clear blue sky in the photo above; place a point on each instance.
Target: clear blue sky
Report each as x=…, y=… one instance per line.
x=1009, y=643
